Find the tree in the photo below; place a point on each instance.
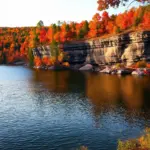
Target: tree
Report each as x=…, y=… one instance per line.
x=40, y=24
x=30, y=57
x=54, y=50
x=105, y=4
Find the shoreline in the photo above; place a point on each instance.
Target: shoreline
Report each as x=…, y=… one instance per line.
x=103, y=69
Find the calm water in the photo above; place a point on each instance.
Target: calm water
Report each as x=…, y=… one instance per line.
x=65, y=110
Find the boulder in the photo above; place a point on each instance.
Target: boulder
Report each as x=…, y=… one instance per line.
x=107, y=70
x=124, y=72
x=87, y=67
x=51, y=68
x=138, y=72
x=134, y=73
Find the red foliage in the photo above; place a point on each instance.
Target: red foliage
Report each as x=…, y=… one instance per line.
x=15, y=42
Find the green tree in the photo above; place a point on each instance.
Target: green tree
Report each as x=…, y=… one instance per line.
x=40, y=24
x=85, y=27
x=31, y=57
x=81, y=34
x=54, y=49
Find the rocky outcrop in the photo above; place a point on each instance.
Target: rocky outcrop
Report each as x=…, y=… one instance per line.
x=43, y=51
x=125, y=47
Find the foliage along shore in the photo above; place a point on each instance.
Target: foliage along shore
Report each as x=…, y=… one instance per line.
x=141, y=143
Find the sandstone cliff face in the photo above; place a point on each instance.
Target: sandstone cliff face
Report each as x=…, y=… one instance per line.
x=125, y=47
x=110, y=50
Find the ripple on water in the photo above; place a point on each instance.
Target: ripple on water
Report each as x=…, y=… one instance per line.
x=64, y=110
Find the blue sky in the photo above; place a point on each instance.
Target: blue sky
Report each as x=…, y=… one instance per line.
x=29, y=12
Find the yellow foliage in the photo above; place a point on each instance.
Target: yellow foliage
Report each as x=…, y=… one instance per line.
x=60, y=58
x=66, y=64
x=142, y=143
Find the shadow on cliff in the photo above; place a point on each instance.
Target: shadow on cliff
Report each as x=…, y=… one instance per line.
x=78, y=52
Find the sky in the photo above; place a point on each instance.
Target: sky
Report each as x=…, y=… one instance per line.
x=16, y=13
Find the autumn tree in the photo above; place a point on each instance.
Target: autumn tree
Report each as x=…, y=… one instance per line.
x=105, y=4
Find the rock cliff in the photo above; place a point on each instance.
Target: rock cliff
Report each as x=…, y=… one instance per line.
x=125, y=47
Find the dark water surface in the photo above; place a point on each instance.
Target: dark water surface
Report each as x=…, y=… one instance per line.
x=65, y=110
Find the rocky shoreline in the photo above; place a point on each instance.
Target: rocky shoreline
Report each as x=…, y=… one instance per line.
x=111, y=70
x=112, y=55
x=118, y=54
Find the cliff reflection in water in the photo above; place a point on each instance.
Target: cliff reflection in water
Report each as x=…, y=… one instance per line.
x=100, y=89
x=106, y=89
x=108, y=92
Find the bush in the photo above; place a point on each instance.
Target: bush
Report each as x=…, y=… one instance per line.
x=127, y=145
x=142, y=143
x=141, y=64
x=148, y=65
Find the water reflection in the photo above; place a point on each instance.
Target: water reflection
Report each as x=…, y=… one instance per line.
x=66, y=109
x=102, y=90
x=105, y=93
x=108, y=93
x=60, y=81
x=108, y=90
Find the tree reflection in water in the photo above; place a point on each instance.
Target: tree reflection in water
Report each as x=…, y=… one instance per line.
x=105, y=93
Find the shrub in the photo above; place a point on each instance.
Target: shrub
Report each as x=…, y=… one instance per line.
x=148, y=65
x=142, y=143
x=141, y=64
x=127, y=145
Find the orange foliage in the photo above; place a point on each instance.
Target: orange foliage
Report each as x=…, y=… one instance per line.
x=37, y=61
x=15, y=42
x=146, y=20
x=66, y=64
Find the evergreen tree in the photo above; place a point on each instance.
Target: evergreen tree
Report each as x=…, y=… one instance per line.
x=31, y=57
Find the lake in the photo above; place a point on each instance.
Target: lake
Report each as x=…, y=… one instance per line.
x=63, y=110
